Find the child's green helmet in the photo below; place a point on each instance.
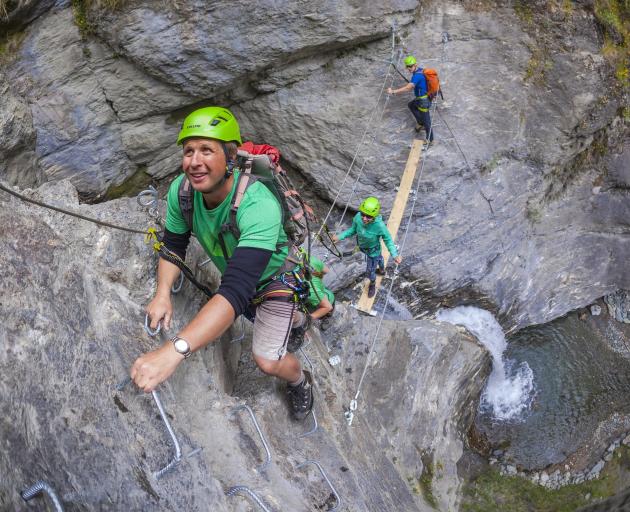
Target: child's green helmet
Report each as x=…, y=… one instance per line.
x=211, y=122
x=410, y=60
x=370, y=206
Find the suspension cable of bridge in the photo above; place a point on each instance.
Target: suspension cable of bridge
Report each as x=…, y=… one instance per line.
x=349, y=414
x=370, y=124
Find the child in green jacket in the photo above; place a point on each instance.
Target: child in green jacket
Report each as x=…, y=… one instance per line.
x=369, y=228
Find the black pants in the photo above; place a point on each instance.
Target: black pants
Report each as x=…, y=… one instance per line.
x=423, y=118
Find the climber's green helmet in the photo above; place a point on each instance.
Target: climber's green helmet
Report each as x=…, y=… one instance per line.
x=370, y=206
x=410, y=61
x=212, y=123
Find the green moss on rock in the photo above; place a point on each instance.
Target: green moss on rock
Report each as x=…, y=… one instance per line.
x=492, y=492
x=137, y=182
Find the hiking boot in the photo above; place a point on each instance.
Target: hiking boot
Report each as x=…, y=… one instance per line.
x=296, y=336
x=301, y=397
x=371, y=289
x=380, y=271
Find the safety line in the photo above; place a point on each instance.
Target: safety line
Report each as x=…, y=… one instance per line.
x=367, y=127
x=68, y=212
x=349, y=414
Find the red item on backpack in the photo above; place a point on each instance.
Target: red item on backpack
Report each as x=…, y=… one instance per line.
x=262, y=149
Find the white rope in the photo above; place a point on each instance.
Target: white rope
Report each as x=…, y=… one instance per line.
x=349, y=414
x=367, y=127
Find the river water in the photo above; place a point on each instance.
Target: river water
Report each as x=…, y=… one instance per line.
x=577, y=382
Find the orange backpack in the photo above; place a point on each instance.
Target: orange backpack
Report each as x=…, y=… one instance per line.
x=433, y=82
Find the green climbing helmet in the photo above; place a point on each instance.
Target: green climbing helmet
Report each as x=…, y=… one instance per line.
x=370, y=206
x=211, y=122
x=410, y=60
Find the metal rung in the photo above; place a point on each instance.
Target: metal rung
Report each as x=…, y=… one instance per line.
x=178, y=286
x=267, y=461
x=204, y=263
x=148, y=197
x=178, y=452
x=321, y=470
x=39, y=487
x=148, y=329
x=242, y=335
x=313, y=429
x=242, y=490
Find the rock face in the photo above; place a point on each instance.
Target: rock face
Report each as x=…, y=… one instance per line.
x=521, y=204
x=72, y=326
x=531, y=162
x=619, y=305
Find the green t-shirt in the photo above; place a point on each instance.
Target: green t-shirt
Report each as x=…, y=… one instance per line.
x=318, y=291
x=259, y=219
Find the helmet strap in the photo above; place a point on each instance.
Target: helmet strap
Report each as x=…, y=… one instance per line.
x=229, y=168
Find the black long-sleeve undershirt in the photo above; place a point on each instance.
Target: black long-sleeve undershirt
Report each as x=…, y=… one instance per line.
x=242, y=274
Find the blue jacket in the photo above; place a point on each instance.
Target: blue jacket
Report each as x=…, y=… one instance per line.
x=420, y=82
x=369, y=236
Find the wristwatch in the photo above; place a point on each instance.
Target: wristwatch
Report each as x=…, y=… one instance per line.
x=181, y=346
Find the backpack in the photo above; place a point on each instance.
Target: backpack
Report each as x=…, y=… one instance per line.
x=433, y=83
x=258, y=163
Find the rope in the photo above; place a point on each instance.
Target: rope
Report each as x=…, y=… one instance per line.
x=356, y=153
x=353, y=403
x=68, y=212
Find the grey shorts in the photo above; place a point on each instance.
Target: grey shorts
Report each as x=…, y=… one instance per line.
x=272, y=327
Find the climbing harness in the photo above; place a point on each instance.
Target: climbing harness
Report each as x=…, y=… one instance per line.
x=246, y=491
x=42, y=487
x=148, y=329
x=247, y=408
x=325, y=477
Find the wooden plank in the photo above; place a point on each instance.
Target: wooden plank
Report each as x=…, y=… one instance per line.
x=393, y=223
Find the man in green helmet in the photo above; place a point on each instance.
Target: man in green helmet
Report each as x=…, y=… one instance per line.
x=256, y=274
x=369, y=228
x=421, y=104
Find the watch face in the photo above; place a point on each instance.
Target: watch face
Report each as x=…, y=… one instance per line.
x=181, y=346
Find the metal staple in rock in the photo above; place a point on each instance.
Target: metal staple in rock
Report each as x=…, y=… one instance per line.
x=148, y=329
x=42, y=487
x=178, y=452
x=243, y=490
x=325, y=477
x=247, y=408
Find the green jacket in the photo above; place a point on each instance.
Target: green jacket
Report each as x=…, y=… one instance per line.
x=369, y=236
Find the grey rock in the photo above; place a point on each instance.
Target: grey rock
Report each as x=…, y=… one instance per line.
x=595, y=471
x=596, y=310
x=73, y=309
x=619, y=305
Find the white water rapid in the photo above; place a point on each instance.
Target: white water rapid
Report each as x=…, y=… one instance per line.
x=509, y=390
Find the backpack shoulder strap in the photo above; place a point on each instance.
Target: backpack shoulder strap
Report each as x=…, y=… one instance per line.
x=186, y=199
x=245, y=179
